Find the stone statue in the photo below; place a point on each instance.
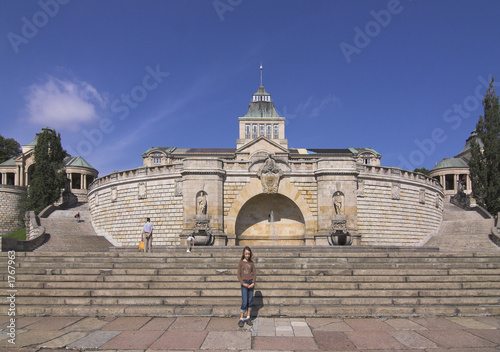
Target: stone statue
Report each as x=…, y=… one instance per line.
x=202, y=204
x=337, y=202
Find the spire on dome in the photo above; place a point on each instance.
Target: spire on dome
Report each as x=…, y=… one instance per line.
x=261, y=74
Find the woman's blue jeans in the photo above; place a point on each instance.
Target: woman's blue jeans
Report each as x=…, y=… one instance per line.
x=246, y=297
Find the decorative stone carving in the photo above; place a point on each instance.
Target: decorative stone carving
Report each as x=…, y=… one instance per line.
x=339, y=234
x=270, y=175
x=114, y=194
x=202, y=225
x=361, y=188
x=178, y=188
x=421, y=196
x=142, y=190
x=338, y=201
x=339, y=225
x=396, y=191
x=202, y=232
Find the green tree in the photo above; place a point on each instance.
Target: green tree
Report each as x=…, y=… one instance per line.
x=49, y=175
x=9, y=148
x=422, y=170
x=485, y=163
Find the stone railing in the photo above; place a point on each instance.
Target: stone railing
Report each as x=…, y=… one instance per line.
x=10, y=198
x=35, y=235
x=495, y=231
x=400, y=173
x=134, y=173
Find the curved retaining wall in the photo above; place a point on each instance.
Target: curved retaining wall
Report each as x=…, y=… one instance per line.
x=119, y=204
x=393, y=207
x=397, y=207
x=10, y=196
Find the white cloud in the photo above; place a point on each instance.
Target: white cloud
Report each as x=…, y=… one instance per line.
x=63, y=104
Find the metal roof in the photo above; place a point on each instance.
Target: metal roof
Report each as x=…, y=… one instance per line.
x=166, y=150
x=449, y=163
x=205, y=151
x=261, y=108
x=362, y=150
x=468, y=144
x=77, y=161
x=10, y=162
x=319, y=151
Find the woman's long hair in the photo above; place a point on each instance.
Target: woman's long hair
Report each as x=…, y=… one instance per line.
x=243, y=254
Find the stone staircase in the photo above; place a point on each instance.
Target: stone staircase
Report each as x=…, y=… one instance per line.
x=74, y=274
x=66, y=235
x=463, y=230
x=291, y=282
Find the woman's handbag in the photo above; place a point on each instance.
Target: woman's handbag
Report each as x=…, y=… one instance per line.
x=141, y=244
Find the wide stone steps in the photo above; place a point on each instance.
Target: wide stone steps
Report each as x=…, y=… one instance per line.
x=308, y=281
x=66, y=235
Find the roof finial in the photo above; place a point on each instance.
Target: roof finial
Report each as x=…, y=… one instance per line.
x=261, y=73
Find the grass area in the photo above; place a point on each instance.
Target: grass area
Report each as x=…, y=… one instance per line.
x=19, y=234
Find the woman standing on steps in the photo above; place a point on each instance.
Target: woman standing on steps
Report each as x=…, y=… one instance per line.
x=247, y=277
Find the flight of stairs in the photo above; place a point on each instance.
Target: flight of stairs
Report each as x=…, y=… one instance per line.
x=291, y=281
x=76, y=273
x=463, y=230
x=64, y=234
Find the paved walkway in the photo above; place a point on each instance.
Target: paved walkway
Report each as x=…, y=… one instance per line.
x=58, y=334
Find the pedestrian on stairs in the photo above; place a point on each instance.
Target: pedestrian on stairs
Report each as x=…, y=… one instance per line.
x=147, y=234
x=189, y=243
x=247, y=277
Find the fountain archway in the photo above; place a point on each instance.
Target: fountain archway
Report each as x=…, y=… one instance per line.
x=270, y=219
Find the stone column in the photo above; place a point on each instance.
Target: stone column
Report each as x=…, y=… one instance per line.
x=17, y=178
x=70, y=181
x=82, y=177
x=4, y=178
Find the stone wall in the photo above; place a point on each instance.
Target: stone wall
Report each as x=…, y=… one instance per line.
x=10, y=196
x=120, y=203
x=397, y=207
x=386, y=206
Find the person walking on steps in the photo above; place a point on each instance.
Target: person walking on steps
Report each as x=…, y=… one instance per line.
x=189, y=243
x=246, y=277
x=147, y=232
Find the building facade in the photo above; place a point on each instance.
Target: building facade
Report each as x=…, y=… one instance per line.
x=264, y=193
x=18, y=171
x=15, y=178
x=453, y=173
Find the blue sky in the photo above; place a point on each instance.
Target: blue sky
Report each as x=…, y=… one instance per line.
x=118, y=77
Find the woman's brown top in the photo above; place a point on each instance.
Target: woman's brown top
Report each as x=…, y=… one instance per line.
x=246, y=271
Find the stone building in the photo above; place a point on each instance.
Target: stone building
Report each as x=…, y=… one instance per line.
x=453, y=173
x=264, y=193
x=18, y=171
x=16, y=174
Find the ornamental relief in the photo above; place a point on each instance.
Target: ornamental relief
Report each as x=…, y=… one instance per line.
x=270, y=175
